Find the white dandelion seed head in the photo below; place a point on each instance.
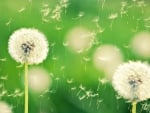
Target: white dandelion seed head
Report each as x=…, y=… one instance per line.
x=141, y=44
x=79, y=39
x=5, y=108
x=39, y=79
x=131, y=80
x=106, y=58
x=28, y=45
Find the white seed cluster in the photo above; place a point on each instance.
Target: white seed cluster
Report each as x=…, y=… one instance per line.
x=5, y=108
x=140, y=44
x=132, y=81
x=28, y=45
x=107, y=57
x=39, y=80
x=79, y=39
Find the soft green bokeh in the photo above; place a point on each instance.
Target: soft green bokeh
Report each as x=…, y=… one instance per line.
x=15, y=14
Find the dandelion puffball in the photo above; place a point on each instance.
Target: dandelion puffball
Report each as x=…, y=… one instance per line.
x=5, y=108
x=141, y=44
x=107, y=58
x=39, y=79
x=28, y=45
x=79, y=39
x=132, y=81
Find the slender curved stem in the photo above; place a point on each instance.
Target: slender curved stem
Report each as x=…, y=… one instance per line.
x=26, y=87
x=134, y=107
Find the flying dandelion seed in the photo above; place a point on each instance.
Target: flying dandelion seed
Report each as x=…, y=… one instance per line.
x=112, y=17
x=99, y=28
x=3, y=93
x=28, y=45
x=80, y=15
x=9, y=22
x=146, y=107
x=56, y=13
x=141, y=4
x=79, y=39
x=45, y=12
x=141, y=44
x=5, y=108
x=17, y=93
x=3, y=59
x=107, y=58
x=39, y=80
x=123, y=10
x=21, y=10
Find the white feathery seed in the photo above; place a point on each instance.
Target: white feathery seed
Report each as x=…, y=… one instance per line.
x=132, y=81
x=28, y=45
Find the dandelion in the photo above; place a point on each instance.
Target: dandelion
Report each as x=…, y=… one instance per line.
x=106, y=58
x=36, y=75
x=131, y=81
x=140, y=44
x=5, y=108
x=28, y=46
x=79, y=39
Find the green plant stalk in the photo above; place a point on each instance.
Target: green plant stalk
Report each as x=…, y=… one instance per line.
x=134, y=107
x=26, y=88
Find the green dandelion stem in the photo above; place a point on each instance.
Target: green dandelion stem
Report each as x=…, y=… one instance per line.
x=26, y=88
x=134, y=107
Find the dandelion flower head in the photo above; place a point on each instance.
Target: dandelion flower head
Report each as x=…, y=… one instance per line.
x=28, y=45
x=132, y=81
x=107, y=57
x=5, y=108
x=39, y=79
x=140, y=44
x=79, y=39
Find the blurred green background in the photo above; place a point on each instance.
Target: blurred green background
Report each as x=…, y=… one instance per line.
x=67, y=69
